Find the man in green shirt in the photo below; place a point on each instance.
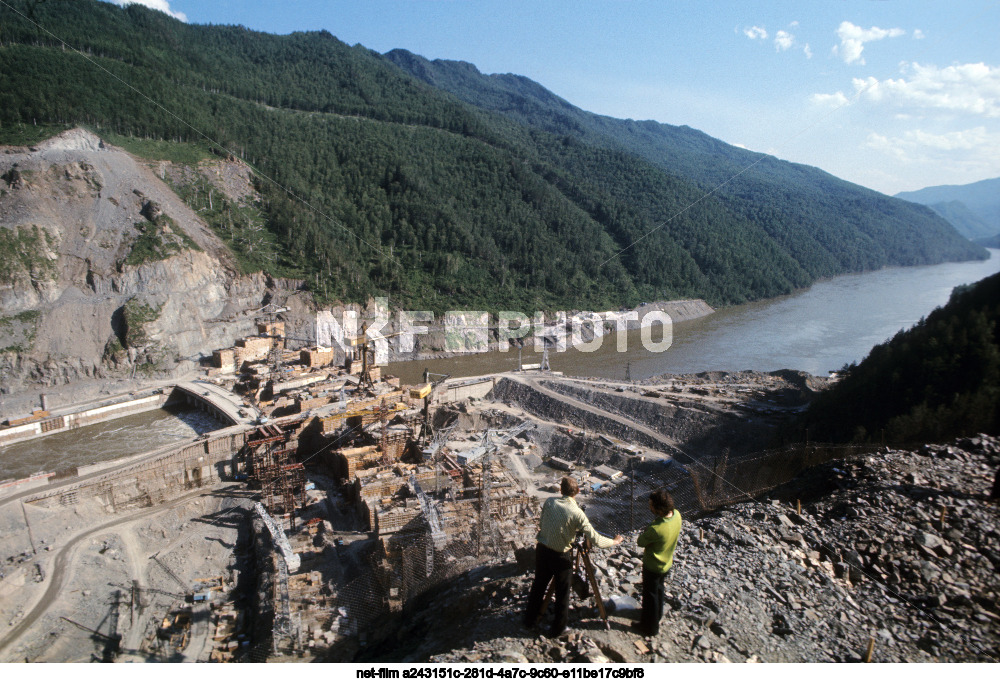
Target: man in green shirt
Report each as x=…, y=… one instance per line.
x=561, y=519
x=659, y=539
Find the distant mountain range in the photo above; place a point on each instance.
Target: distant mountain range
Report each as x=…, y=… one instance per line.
x=436, y=185
x=973, y=209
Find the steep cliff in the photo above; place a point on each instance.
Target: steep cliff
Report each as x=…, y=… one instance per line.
x=105, y=272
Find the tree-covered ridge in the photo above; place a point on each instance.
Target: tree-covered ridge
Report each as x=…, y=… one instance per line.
x=973, y=209
x=827, y=225
x=936, y=381
x=968, y=224
x=376, y=182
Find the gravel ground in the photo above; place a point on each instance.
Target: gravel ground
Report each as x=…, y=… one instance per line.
x=868, y=561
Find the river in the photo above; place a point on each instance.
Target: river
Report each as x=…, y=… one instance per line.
x=817, y=330
x=113, y=439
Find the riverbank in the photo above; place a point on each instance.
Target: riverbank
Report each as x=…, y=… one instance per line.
x=59, y=421
x=559, y=328
x=816, y=330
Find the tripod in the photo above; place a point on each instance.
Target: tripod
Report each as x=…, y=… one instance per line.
x=581, y=554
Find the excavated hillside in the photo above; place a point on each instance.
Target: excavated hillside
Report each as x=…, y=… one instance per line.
x=894, y=550
x=105, y=273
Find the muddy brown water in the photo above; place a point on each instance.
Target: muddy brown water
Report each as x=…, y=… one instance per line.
x=816, y=330
x=113, y=439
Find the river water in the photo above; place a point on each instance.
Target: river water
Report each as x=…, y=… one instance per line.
x=816, y=330
x=122, y=437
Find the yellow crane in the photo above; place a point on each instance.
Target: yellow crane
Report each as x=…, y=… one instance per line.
x=426, y=393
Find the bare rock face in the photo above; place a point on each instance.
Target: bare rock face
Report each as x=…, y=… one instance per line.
x=103, y=269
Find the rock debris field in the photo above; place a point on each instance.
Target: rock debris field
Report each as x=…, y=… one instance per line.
x=896, y=551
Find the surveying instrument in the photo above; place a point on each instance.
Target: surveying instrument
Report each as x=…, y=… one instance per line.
x=581, y=555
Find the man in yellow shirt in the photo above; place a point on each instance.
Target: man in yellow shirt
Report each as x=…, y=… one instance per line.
x=660, y=540
x=561, y=520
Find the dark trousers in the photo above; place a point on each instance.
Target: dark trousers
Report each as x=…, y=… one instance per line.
x=550, y=564
x=652, y=601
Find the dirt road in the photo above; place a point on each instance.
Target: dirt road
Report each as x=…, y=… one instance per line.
x=62, y=562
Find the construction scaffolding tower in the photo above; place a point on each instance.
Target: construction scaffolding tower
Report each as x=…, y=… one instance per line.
x=266, y=326
x=269, y=464
x=488, y=526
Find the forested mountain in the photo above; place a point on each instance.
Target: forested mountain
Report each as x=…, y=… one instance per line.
x=826, y=224
x=967, y=223
x=936, y=381
x=375, y=181
x=973, y=209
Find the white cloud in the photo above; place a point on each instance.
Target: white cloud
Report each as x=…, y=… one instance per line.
x=783, y=40
x=853, y=39
x=892, y=147
x=931, y=125
x=918, y=34
x=161, y=5
x=972, y=89
x=933, y=158
x=869, y=86
x=837, y=99
x=971, y=147
x=972, y=138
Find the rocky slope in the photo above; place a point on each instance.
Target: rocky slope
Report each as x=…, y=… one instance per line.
x=106, y=271
x=868, y=559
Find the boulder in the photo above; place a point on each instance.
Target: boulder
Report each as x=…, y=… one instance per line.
x=511, y=656
x=626, y=607
x=929, y=540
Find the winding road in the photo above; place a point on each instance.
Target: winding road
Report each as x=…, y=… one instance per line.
x=65, y=553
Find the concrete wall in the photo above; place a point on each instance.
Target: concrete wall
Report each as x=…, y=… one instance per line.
x=190, y=394
x=74, y=420
x=467, y=388
x=141, y=481
x=12, y=487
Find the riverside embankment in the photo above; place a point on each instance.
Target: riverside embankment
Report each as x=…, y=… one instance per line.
x=99, y=432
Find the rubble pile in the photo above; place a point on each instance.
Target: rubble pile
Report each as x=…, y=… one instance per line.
x=896, y=551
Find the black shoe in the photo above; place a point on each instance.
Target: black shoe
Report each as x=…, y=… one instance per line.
x=553, y=633
x=637, y=626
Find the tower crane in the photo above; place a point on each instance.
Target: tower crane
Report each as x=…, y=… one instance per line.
x=426, y=392
x=487, y=526
x=365, y=348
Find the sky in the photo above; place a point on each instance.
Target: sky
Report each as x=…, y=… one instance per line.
x=895, y=95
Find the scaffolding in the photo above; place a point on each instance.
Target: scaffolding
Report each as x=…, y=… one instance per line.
x=270, y=465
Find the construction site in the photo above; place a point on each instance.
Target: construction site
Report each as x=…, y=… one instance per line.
x=338, y=496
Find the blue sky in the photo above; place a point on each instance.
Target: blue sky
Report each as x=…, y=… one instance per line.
x=894, y=95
